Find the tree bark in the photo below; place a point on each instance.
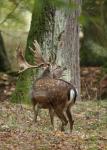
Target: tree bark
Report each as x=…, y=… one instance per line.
x=71, y=47
x=4, y=62
x=41, y=25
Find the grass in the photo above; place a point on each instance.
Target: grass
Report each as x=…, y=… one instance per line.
x=18, y=132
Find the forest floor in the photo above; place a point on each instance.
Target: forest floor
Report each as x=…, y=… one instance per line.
x=18, y=131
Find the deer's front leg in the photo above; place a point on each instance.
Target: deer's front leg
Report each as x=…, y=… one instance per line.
x=36, y=111
x=51, y=113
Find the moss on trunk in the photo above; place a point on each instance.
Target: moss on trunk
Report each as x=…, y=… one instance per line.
x=42, y=17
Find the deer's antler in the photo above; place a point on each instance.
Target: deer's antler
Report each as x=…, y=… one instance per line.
x=23, y=64
x=37, y=53
x=39, y=60
x=39, y=57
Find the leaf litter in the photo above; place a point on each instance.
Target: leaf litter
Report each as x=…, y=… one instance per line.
x=19, y=132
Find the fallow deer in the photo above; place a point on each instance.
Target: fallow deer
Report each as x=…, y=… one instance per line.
x=48, y=91
x=56, y=72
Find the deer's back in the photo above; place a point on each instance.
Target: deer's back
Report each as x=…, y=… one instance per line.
x=51, y=90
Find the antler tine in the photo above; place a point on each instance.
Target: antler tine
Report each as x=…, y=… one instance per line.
x=49, y=57
x=37, y=46
x=52, y=58
x=37, y=53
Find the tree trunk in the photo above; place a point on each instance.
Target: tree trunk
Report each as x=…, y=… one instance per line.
x=71, y=47
x=41, y=24
x=4, y=62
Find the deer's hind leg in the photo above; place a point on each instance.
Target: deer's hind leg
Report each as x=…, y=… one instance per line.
x=69, y=115
x=63, y=118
